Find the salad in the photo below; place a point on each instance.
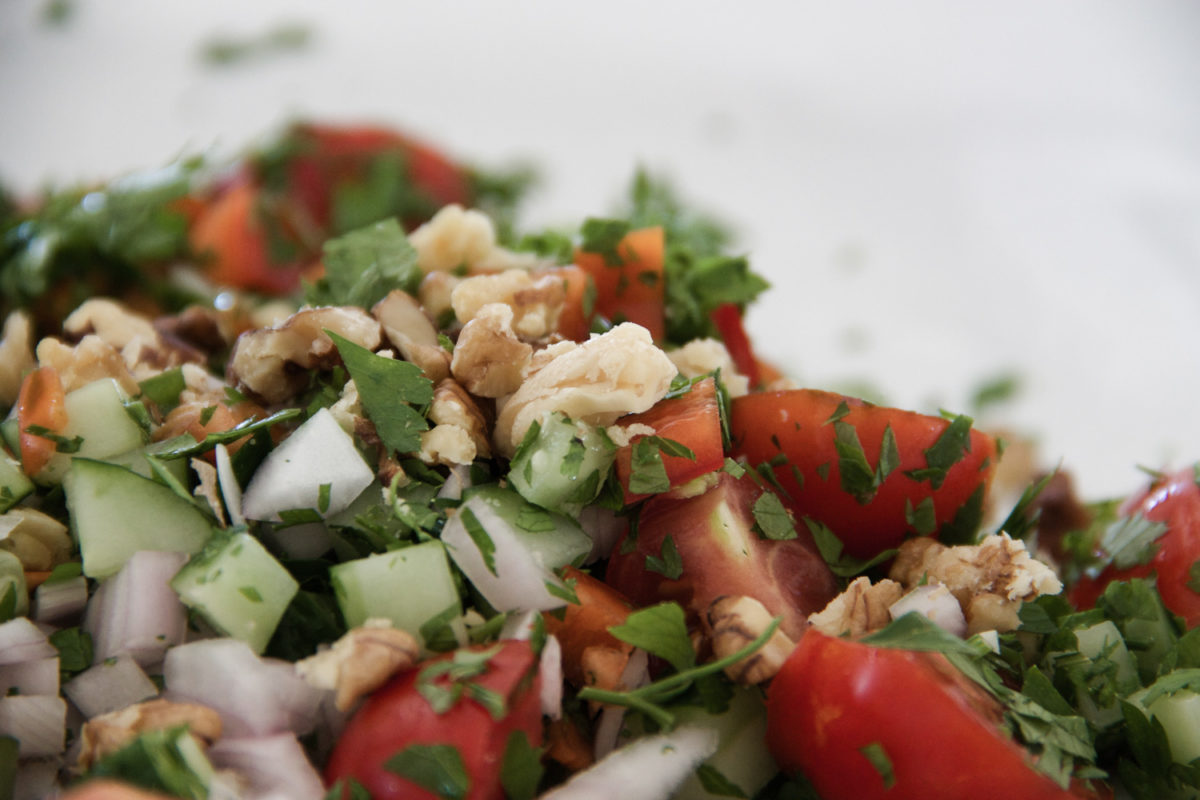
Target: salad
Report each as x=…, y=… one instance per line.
x=321, y=478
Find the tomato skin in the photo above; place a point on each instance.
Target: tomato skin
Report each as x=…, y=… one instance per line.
x=41, y=402
x=1174, y=500
x=632, y=290
x=727, y=317
x=722, y=555
x=692, y=419
x=397, y=716
x=797, y=424
x=834, y=697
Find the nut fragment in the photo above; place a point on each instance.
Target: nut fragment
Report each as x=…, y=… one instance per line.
x=489, y=359
x=146, y=352
x=16, y=355
x=736, y=622
x=361, y=661
x=457, y=237
x=410, y=331
x=110, y=732
x=37, y=539
x=536, y=302
x=452, y=405
x=271, y=362
x=92, y=359
x=861, y=608
x=701, y=356
x=619, y=372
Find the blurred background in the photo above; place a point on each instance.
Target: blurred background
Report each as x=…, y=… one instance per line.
x=945, y=196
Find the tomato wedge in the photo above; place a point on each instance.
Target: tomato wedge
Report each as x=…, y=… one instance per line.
x=874, y=475
x=692, y=419
x=1175, y=501
x=864, y=722
x=631, y=288
x=41, y=403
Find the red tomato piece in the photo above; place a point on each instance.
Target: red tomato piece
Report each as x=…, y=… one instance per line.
x=926, y=484
x=693, y=420
x=728, y=319
x=633, y=289
x=574, y=321
x=398, y=716
x=836, y=702
x=720, y=553
x=1175, y=501
x=584, y=625
x=41, y=403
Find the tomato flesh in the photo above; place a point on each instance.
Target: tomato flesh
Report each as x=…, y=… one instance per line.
x=798, y=432
x=836, y=702
x=633, y=289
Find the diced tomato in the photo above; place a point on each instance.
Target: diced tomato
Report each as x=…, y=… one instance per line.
x=632, y=289
x=1175, y=501
x=866, y=722
x=728, y=319
x=399, y=715
x=41, y=403
x=828, y=453
x=574, y=322
x=720, y=553
x=585, y=624
x=692, y=419
x=200, y=419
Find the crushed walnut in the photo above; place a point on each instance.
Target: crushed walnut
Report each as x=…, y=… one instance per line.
x=360, y=661
x=110, y=732
x=861, y=608
x=735, y=622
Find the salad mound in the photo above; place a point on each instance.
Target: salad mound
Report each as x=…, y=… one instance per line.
x=320, y=478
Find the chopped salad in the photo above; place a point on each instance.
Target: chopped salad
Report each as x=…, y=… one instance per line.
x=322, y=478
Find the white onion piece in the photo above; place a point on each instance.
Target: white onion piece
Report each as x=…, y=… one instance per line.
x=231, y=490
x=109, y=686
x=60, y=601
x=520, y=625
x=37, y=722
x=254, y=696
x=318, y=453
x=39, y=676
x=649, y=768
x=605, y=529
x=304, y=541
x=519, y=581
x=934, y=601
x=21, y=640
x=612, y=718
x=136, y=611
x=273, y=766
x=550, y=668
x=458, y=479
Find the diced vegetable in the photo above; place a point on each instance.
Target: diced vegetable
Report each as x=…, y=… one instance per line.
x=135, y=612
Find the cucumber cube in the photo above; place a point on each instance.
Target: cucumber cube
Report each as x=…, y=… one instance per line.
x=14, y=483
x=410, y=586
x=238, y=587
x=96, y=414
x=115, y=513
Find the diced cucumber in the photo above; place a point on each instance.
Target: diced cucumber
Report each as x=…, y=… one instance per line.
x=239, y=587
x=554, y=539
x=14, y=594
x=116, y=512
x=14, y=483
x=10, y=432
x=1104, y=639
x=562, y=464
x=96, y=414
x=410, y=586
x=136, y=459
x=1179, y=714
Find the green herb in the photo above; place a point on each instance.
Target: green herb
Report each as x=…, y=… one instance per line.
x=647, y=473
x=226, y=50
x=1020, y=522
x=167, y=761
x=244, y=428
x=771, y=519
x=669, y=564
x=715, y=782
x=479, y=535
x=62, y=444
x=394, y=394
x=74, y=647
x=996, y=390
x=8, y=600
x=660, y=630
x=457, y=669
x=437, y=768
x=602, y=236
x=859, y=479
x=948, y=450
x=923, y=518
x=878, y=758
x=830, y=546
x=521, y=768
x=164, y=388
x=250, y=593
x=362, y=266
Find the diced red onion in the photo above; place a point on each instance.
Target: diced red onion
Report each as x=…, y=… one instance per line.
x=273, y=766
x=21, y=640
x=137, y=612
x=61, y=601
x=518, y=581
x=550, y=668
x=254, y=696
x=458, y=479
x=650, y=768
x=37, y=722
x=39, y=676
x=605, y=529
x=612, y=718
x=934, y=601
x=109, y=686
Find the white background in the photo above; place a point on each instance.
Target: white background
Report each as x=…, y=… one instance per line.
x=939, y=191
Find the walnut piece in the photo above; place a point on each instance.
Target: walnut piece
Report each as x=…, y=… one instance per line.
x=619, y=372
x=146, y=351
x=489, y=359
x=110, y=732
x=536, y=302
x=410, y=331
x=92, y=359
x=453, y=405
x=701, y=356
x=16, y=355
x=361, y=661
x=736, y=622
x=270, y=363
x=38, y=540
x=456, y=237
x=861, y=608
x=999, y=567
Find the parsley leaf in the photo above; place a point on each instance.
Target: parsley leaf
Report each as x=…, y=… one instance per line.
x=858, y=478
x=879, y=759
x=394, y=394
x=660, y=630
x=602, y=236
x=715, y=782
x=479, y=535
x=669, y=564
x=521, y=768
x=362, y=266
x=771, y=519
x=830, y=546
x=437, y=768
x=948, y=450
